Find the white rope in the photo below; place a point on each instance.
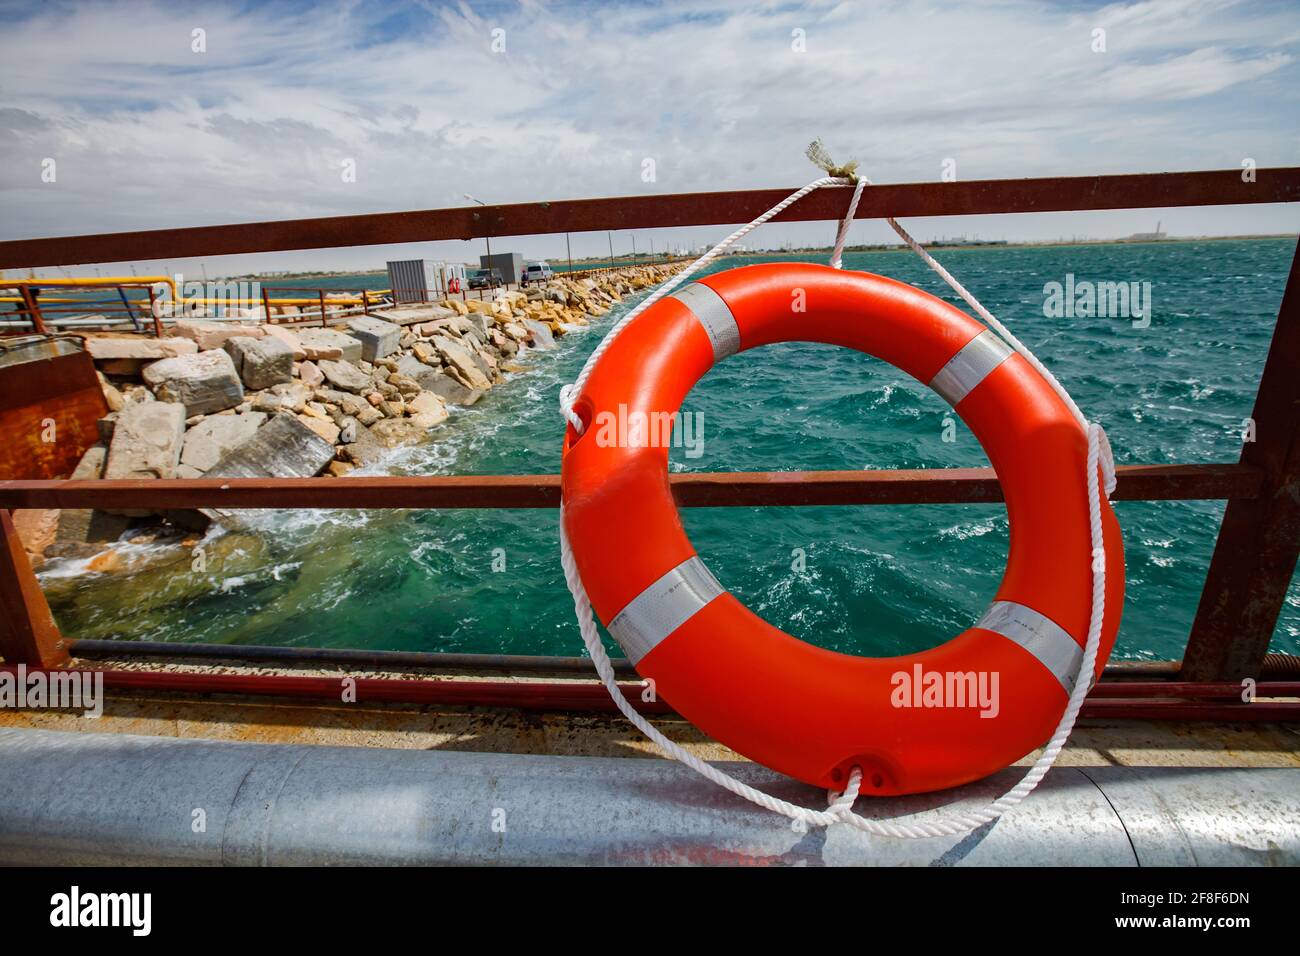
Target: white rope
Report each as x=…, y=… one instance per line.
x=933, y=823
x=841, y=237
x=569, y=393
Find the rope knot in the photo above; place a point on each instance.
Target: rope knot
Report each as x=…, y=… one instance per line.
x=820, y=158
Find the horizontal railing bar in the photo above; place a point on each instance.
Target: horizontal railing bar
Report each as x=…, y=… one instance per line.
x=692, y=490
x=1277, y=667
x=96, y=649
x=432, y=661
x=973, y=197
x=1174, y=701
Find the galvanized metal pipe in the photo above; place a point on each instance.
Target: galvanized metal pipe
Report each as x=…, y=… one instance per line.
x=87, y=798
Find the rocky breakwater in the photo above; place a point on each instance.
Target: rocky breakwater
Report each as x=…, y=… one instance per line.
x=234, y=400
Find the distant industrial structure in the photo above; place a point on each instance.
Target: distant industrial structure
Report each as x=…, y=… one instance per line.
x=1147, y=236
x=509, y=264
x=963, y=241
x=423, y=280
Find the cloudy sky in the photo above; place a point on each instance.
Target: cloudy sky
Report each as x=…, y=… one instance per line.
x=174, y=113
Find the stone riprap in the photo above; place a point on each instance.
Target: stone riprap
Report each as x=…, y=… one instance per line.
x=329, y=344
x=204, y=382
x=235, y=400
x=378, y=338
x=261, y=362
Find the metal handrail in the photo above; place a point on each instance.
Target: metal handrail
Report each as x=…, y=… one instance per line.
x=1255, y=553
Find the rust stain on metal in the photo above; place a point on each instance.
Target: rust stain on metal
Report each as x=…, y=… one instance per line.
x=973, y=197
x=693, y=490
x=49, y=406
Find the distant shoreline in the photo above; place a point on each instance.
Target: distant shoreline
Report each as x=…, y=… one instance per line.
x=599, y=261
x=1021, y=244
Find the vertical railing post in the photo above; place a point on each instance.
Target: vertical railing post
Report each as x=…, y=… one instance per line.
x=130, y=312
x=266, y=306
x=28, y=634
x=153, y=313
x=1259, y=540
x=321, y=294
x=33, y=310
x=365, y=302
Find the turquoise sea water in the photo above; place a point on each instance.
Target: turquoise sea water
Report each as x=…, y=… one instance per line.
x=878, y=580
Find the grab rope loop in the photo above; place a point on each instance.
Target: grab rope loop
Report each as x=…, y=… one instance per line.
x=1100, y=482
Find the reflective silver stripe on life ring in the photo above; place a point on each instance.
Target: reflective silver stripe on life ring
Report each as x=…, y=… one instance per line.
x=663, y=607
x=969, y=366
x=1039, y=635
x=715, y=315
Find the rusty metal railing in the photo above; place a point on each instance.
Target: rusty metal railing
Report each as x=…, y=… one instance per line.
x=1255, y=553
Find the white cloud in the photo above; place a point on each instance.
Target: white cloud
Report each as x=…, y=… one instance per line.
x=148, y=134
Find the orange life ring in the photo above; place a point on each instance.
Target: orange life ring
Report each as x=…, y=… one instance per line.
x=808, y=712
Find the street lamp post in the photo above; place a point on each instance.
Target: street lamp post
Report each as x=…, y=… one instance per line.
x=487, y=239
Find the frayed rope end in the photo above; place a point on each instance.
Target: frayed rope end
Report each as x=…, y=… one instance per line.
x=816, y=152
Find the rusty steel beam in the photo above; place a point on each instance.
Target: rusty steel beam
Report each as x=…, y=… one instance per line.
x=975, y=197
x=1157, y=702
x=701, y=490
x=525, y=695
x=28, y=634
x=1259, y=540
x=1227, y=691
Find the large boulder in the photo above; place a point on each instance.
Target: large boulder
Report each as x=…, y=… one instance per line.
x=346, y=376
x=426, y=353
x=126, y=356
x=414, y=369
x=427, y=409
x=450, y=390
x=146, y=441
x=261, y=362
x=310, y=375
x=329, y=344
x=461, y=359
x=213, y=335
x=539, y=334
x=323, y=427
x=349, y=403
x=139, y=348
x=365, y=448
x=394, y=432
x=410, y=315
x=503, y=343
x=282, y=448
x=378, y=338
x=285, y=397
x=211, y=438
x=85, y=525
x=288, y=338
x=203, y=383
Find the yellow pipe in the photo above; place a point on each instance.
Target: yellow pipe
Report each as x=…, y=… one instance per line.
x=145, y=302
x=44, y=299
x=92, y=283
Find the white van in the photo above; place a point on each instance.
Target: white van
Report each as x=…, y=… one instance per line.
x=537, y=272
